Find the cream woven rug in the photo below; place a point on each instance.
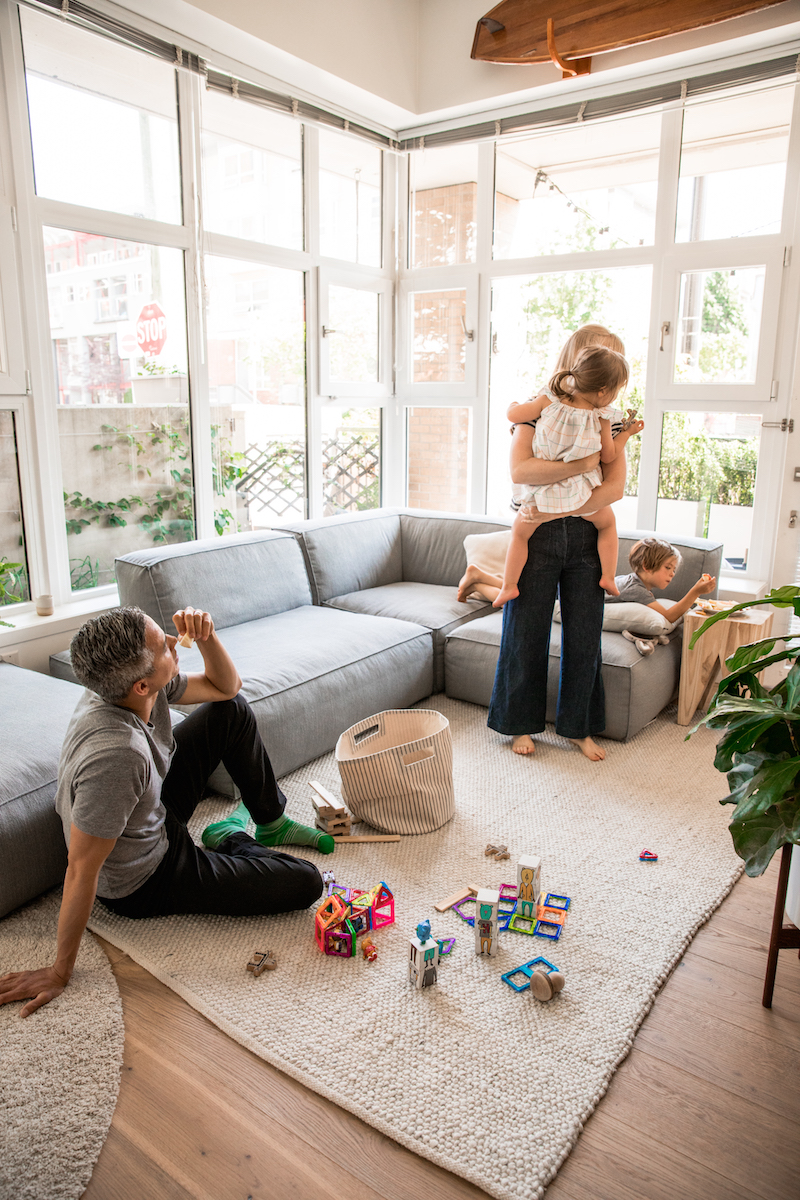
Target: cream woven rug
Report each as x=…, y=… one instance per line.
x=59, y=1068
x=490, y=1084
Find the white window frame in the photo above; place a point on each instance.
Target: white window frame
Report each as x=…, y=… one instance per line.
x=437, y=279
x=360, y=281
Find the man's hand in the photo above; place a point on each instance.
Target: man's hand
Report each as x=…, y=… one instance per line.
x=193, y=624
x=43, y=986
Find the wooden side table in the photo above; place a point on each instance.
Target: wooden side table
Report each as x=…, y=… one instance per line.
x=703, y=665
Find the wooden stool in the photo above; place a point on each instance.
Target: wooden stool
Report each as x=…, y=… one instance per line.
x=704, y=664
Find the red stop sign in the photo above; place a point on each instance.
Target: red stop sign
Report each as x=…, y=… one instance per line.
x=151, y=329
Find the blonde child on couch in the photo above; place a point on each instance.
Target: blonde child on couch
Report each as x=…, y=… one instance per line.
x=653, y=565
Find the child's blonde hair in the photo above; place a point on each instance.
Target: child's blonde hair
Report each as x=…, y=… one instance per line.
x=587, y=335
x=651, y=553
x=594, y=369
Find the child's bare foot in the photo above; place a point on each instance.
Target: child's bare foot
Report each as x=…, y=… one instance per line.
x=467, y=582
x=589, y=748
x=608, y=585
x=523, y=744
x=506, y=593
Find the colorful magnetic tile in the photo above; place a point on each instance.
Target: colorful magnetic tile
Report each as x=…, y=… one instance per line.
x=508, y=891
x=526, y=970
x=648, y=856
x=547, y=929
x=446, y=945
x=522, y=924
x=459, y=908
x=553, y=900
x=556, y=915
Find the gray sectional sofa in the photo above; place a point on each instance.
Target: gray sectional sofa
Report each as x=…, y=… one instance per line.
x=328, y=622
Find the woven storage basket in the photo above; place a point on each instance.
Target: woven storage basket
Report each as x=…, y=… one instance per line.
x=397, y=770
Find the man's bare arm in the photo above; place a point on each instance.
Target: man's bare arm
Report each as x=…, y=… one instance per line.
x=221, y=680
x=86, y=856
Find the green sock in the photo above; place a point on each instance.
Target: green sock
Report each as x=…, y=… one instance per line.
x=285, y=832
x=236, y=822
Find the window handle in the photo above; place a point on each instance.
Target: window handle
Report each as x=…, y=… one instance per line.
x=665, y=328
x=327, y=331
x=469, y=334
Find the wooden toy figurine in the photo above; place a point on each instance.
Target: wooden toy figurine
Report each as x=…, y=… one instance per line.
x=529, y=884
x=262, y=961
x=423, y=957
x=487, y=904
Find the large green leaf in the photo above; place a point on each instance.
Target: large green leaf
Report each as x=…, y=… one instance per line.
x=744, y=656
x=737, y=678
x=756, y=840
x=742, y=739
x=793, y=686
x=771, y=784
x=740, y=775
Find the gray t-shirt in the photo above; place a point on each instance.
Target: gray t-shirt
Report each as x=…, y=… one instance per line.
x=110, y=774
x=631, y=591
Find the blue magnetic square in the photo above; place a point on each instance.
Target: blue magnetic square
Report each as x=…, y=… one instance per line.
x=521, y=987
x=547, y=929
x=505, y=916
x=555, y=901
x=538, y=961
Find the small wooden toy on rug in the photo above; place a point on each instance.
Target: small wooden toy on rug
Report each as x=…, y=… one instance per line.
x=487, y=904
x=541, y=977
x=348, y=913
x=369, y=949
x=262, y=961
x=331, y=816
x=529, y=884
x=497, y=852
x=456, y=898
x=423, y=957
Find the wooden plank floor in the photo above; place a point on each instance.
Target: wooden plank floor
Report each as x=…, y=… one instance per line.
x=707, y=1104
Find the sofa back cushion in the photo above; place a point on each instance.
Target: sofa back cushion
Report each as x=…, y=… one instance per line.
x=433, y=544
x=351, y=552
x=238, y=578
x=698, y=556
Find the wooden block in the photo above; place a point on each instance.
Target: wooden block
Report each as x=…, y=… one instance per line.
x=371, y=837
x=328, y=799
x=454, y=899
x=337, y=825
x=473, y=891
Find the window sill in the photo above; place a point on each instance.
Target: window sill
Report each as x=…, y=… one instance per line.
x=28, y=626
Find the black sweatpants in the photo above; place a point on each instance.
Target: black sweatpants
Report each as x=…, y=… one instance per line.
x=240, y=878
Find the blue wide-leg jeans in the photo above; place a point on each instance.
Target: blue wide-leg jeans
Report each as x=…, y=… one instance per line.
x=563, y=561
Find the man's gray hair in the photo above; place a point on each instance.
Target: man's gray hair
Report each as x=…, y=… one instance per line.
x=109, y=653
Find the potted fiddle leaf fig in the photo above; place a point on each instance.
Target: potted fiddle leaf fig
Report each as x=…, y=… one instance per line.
x=759, y=750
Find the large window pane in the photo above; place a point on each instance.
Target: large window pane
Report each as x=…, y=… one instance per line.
x=118, y=324
x=439, y=338
x=444, y=205
x=733, y=166
x=590, y=187
x=252, y=172
x=256, y=374
x=103, y=121
x=13, y=559
x=351, y=459
x=439, y=457
x=532, y=317
x=353, y=335
x=349, y=199
x=720, y=322
x=707, y=479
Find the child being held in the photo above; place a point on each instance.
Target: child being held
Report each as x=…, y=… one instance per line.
x=654, y=563
x=573, y=421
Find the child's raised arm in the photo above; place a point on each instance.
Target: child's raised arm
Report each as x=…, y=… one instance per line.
x=608, y=451
x=706, y=583
x=528, y=410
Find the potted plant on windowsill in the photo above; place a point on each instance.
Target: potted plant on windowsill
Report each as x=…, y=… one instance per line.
x=760, y=754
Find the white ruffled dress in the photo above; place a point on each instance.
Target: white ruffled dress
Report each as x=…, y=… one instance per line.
x=564, y=433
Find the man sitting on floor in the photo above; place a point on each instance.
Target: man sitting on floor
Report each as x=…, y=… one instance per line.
x=128, y=784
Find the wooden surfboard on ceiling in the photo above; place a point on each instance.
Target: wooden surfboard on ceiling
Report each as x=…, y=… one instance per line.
x=516, y=31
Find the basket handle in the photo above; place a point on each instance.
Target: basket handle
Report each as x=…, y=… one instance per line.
x=408, y=760
x=363, y=734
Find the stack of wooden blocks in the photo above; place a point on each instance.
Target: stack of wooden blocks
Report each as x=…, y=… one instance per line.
x=331, y=815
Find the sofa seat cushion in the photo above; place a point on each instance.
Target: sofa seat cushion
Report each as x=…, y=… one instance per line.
x=34, y=713
x=636, y=687
x=312, y=672
x=428, y=604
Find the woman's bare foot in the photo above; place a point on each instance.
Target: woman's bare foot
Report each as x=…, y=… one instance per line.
x=523, y=744
x=608, y=585
x=589, y=748
x=506, y=593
